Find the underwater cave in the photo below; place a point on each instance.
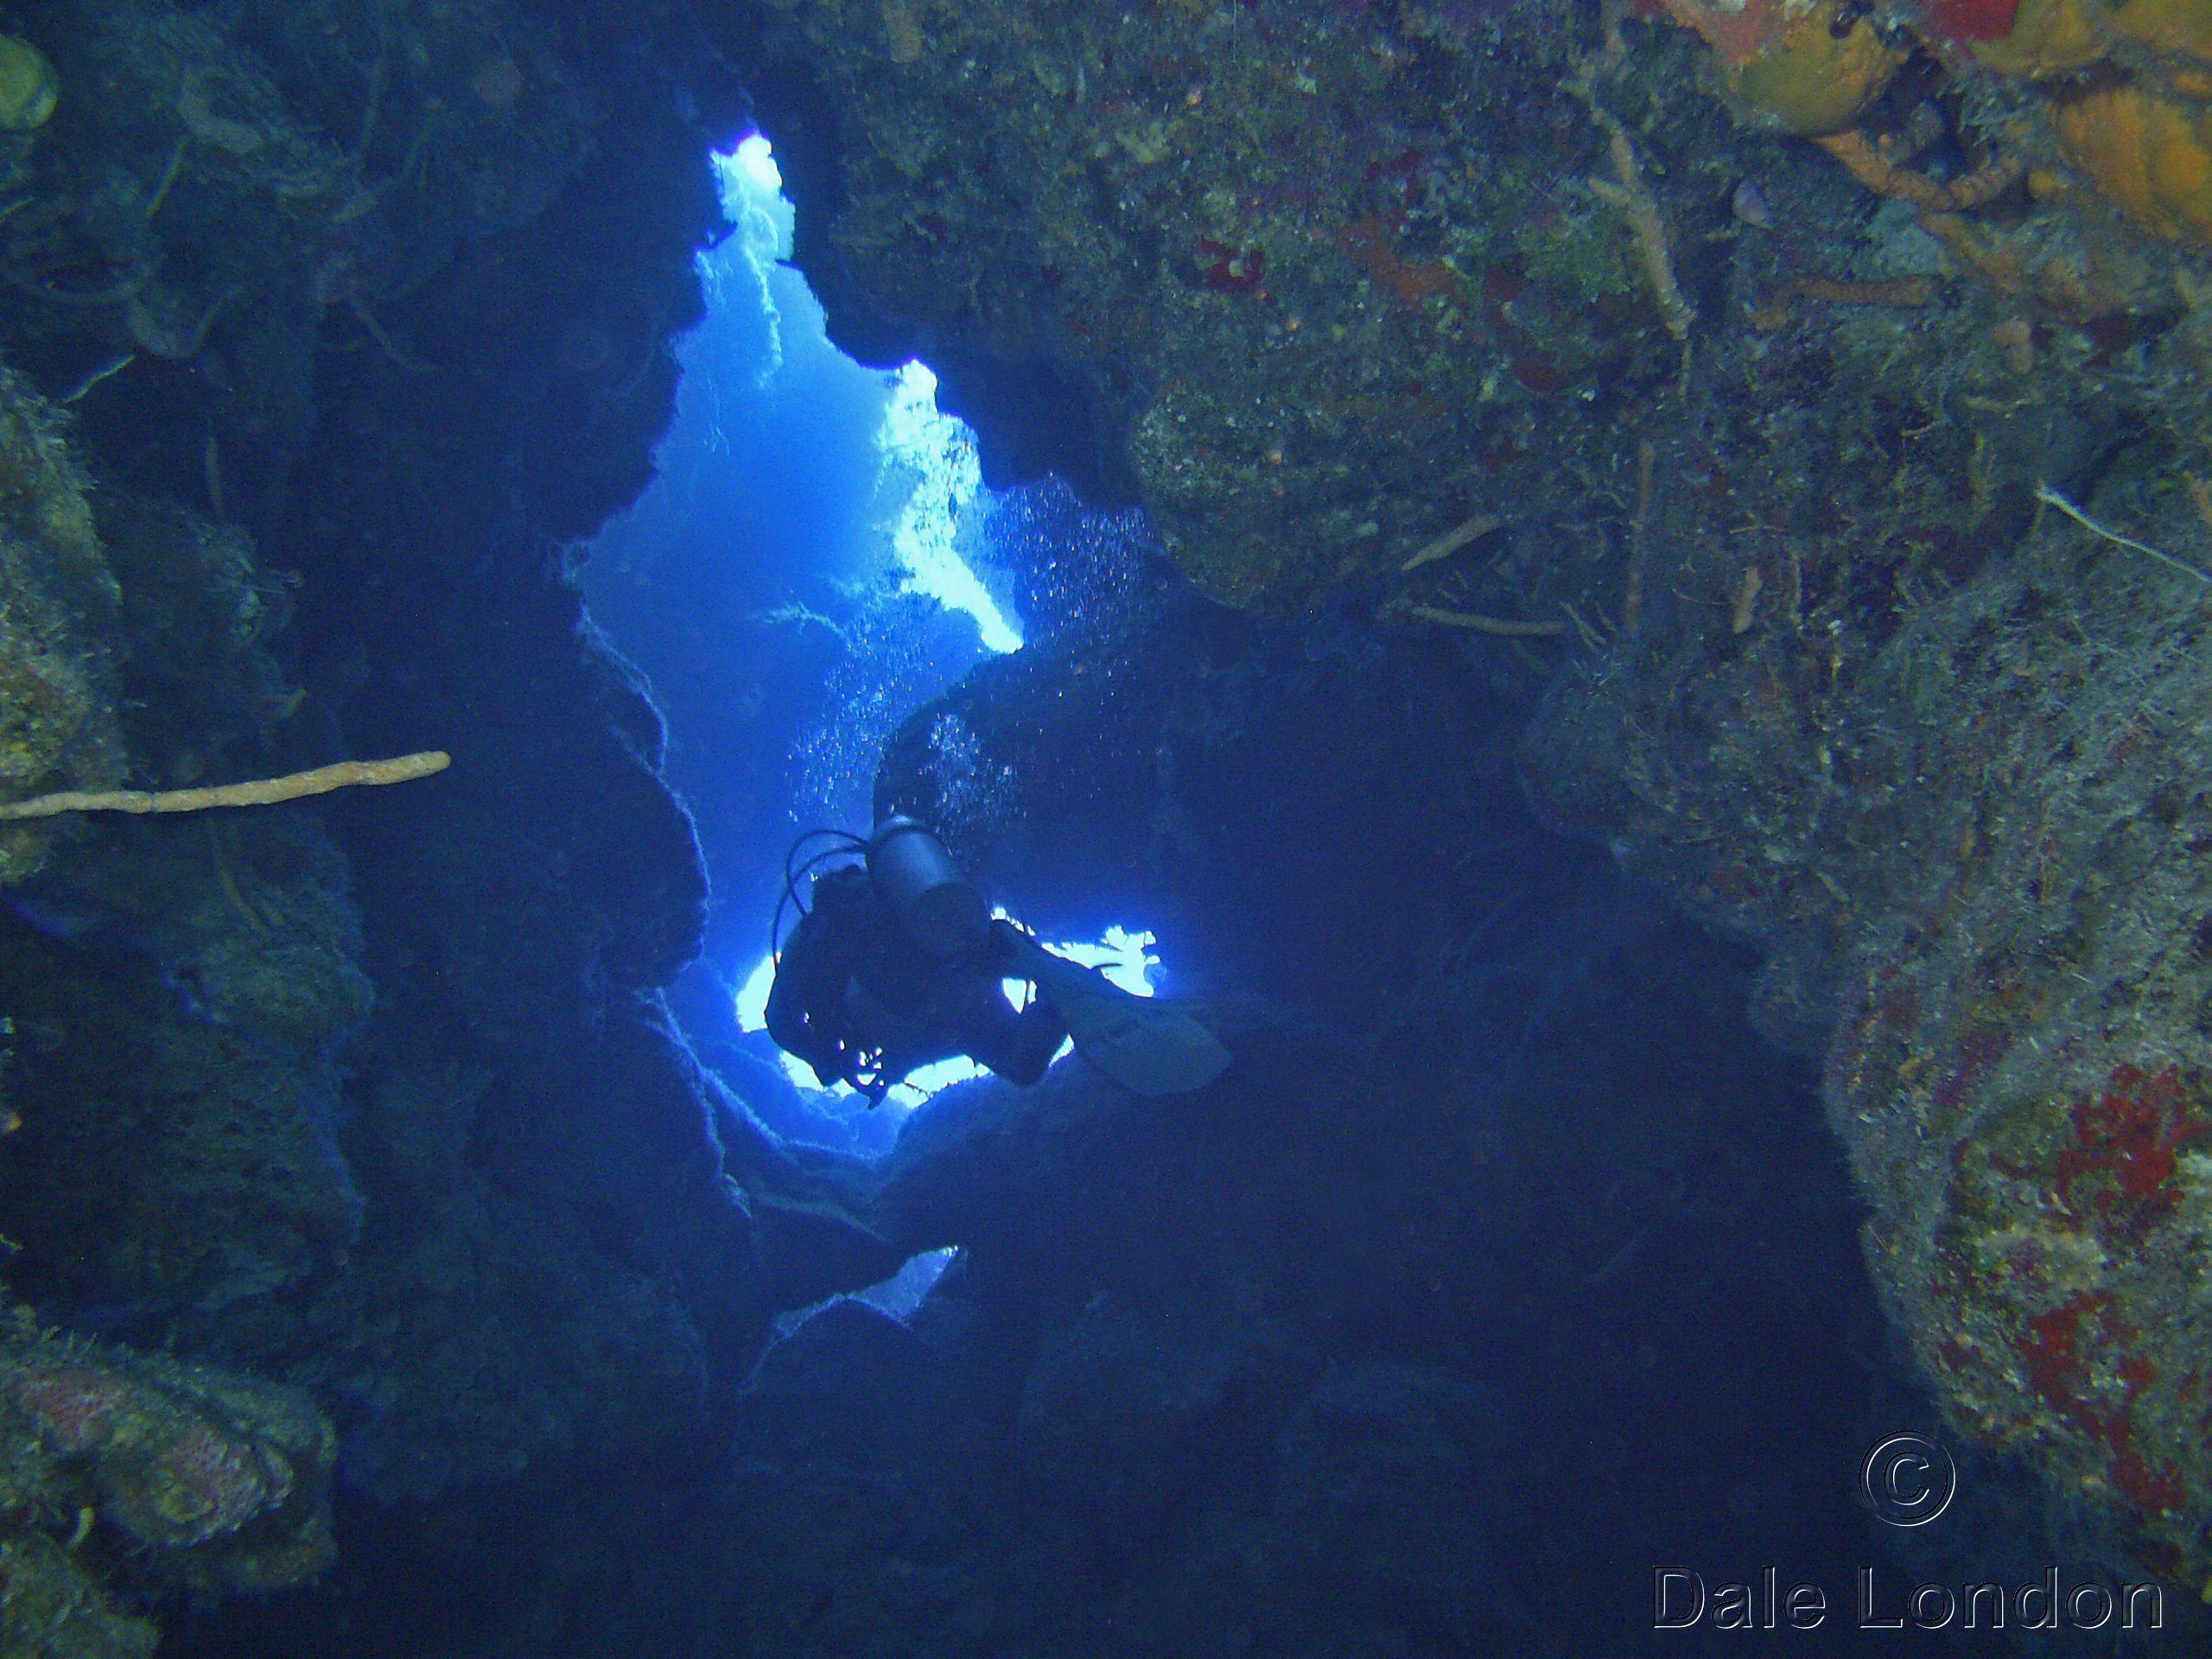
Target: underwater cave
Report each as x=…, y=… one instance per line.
x=1317, y=828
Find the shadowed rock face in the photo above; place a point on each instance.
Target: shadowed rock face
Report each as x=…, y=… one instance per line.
x=1227, y=1369
x=1222, y=1370
x=1332, y=869
x=376, y=1102
x=1834, y=503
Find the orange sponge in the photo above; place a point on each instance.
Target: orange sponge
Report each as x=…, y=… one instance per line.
x=2148, y=152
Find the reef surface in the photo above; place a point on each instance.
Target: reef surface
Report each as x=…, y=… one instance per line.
x=1673, y=521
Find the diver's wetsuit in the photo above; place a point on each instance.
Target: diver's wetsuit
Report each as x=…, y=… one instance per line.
x=859, y=1002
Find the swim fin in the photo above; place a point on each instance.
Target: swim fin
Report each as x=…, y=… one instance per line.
x=1149, y=1048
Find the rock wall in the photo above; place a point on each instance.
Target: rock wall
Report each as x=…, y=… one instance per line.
x=1793, y=491
x=1790, y=391
x=343, y=322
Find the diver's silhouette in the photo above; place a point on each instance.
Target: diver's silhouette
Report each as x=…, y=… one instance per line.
x=898, y=963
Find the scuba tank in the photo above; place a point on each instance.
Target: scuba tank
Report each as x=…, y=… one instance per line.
x=924, y=890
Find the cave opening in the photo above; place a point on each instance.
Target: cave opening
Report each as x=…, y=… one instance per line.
x=818, y=558
x=1620, y=1155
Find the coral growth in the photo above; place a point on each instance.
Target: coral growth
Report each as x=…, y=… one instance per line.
x=173, y=1460
x=1809, y=70
x=58, y=726
x=126, y=1476
x=2021, y=1080
x=2148, y=154
x=29, y=90
x=2047, y=37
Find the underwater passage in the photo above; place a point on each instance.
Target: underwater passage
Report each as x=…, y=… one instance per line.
x=1615, y=588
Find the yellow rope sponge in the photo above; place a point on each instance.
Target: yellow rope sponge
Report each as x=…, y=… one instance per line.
x=262, y=791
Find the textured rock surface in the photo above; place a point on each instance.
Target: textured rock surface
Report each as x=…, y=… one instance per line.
x=1782, y=461
x=363, y=311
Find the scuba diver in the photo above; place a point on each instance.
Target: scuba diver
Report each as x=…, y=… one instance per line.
x=898, y=964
